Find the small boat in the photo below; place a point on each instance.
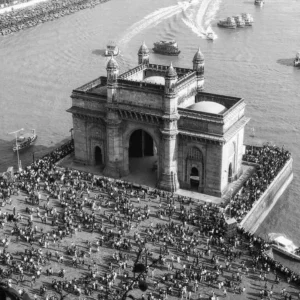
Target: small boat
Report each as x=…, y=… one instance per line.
x=210, y=36
x=227, y=23
x=112, y=49
x=166, y=48
x=297, y=60
x=286, y=247
x=259, y=2
x=25, y=140
x=239, y=21
x=248, y=19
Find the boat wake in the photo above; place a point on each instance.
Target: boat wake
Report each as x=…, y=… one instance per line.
x=155, y=18
x=198, y=18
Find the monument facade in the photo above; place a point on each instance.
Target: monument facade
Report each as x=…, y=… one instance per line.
x=160, y=110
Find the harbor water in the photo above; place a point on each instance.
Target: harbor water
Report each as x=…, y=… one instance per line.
x=40, y=67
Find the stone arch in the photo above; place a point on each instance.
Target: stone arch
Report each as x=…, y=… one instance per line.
x=151, y=131
x=194, y=161
x=98, y=155
x=232, y=161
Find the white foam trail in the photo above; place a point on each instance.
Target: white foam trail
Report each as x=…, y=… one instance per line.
x=200, y=22
x=155, y=18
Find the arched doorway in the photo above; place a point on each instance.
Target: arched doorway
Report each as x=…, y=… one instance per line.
x=143, y=159
x=140, y=144
x=194, y=178
x=98, y=156
x=230, y=173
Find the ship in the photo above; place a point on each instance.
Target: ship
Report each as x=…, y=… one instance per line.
x=112, y=49
x=239, y=21
x=259, y=2
x=210, y=36
x=248, y=19
x=297, y=60
x=286, y=247
x=227, y=23
x=166, y=48
x=25, y=140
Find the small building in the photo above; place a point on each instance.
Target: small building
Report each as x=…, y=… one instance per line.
x=162, y=111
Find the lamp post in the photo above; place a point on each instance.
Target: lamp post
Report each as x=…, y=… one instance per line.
x=231, y=190
x=16, y=135
x=252, y=135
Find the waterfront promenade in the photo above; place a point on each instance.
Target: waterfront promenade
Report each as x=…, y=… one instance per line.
x=35, y=12
x=81, y=234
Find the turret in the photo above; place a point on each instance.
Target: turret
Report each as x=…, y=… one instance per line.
x=198, y=62
x=170, y=80
x=112, y=78
x=198, y=66
x=143, y=54
x=112, y=69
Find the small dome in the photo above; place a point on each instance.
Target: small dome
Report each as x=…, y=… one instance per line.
x=112, y=64
x=198, y=56
x=208, y=107
x=171, y=72
x=155, y=80
x=143, y=49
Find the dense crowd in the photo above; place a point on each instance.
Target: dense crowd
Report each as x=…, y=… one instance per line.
x=20, y=19
x=269, y=161
x=183, y=244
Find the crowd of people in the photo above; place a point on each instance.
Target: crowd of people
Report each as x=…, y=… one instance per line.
x=82, y=234
x=49, y=10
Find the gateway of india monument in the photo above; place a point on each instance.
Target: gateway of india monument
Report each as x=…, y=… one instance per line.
x=162, y=111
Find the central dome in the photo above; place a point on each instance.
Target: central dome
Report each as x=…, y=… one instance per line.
x=155, y=80
x=208, y=107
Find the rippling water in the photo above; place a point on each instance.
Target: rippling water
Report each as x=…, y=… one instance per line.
x=41, y=66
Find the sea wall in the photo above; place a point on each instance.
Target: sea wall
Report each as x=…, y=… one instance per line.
x=266, y=202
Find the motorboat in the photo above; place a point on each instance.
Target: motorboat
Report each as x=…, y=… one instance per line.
x=259, y=2
x=210, y=36
x=248, y=19
x=286, y=247
x=25, y=140
x=227, y=23
x=297, y=60
x=239, y=21
x=166, y=48
x=112, y=49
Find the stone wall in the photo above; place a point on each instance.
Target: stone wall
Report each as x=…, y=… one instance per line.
x=266, y=202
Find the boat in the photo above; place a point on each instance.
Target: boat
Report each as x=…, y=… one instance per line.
x=259, y=2
x=112, y=49
x=166, y=48
x=210, y=36
x=227, y=23
x=239, y=21
x=297, y=60
x=248, y=19
x=25, y=140
x=286, y=247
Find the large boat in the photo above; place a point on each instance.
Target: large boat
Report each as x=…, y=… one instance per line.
x=297, y=60
x=248, y=19
x=112, y=50
x=286, y=247
x=166, y=48
x=239, y=21
x=25, y=140
x=227, y=23
x=259, y=2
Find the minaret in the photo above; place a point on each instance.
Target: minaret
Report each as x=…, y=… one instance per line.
x=112, y=69
x=168, y=179
x=198, y=66
x=113, y=159
x=143, y=55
